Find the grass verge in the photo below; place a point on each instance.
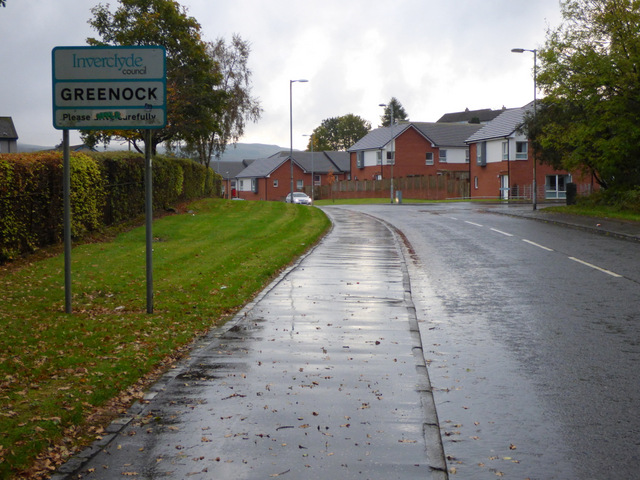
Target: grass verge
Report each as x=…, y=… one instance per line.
x=62, y=377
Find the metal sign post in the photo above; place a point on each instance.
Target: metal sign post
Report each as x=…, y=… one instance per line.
x=109, y=88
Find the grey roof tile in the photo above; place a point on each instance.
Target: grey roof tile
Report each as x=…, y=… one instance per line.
x=7, y=129
x=503, y=125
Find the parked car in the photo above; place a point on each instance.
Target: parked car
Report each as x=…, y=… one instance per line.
x=299, y=197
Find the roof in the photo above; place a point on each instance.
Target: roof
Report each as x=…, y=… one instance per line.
x=504, y=125
x=440, y=134
x=319, y=162
x=7, y=129
x=447, y=134
x=483, y=116
x=230, y=169
x=379, y=137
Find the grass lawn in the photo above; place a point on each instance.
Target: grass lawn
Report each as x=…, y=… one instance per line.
x=62, y=377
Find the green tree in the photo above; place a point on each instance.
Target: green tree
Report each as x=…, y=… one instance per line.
x=339, y=133
x=590, y=73
x=239, y=106
x=192, y=98
x=398, y=110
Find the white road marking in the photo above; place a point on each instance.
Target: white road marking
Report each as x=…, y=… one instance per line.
x=500, y=231
x=608, y=272
x=537, y=245
x=472, y=223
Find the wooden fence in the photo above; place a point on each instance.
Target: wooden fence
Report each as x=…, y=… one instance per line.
x=427, y=187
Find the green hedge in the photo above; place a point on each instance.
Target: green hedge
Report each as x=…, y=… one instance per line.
x=106, y=188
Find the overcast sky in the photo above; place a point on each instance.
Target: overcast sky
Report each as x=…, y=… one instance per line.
x=434, y=56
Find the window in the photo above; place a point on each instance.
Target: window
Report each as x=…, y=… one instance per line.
x=481, y=154
x=391, y=158
x=316, y=179
x=275, y=184
x=443, y=156
x=475, y=182
x=254, y=185
x=299, y=184
x=429, y=160
x=505, y=150
x=521, y=150
x=360, y=159
x=241, y=185
x=466, y=155
x=379, y=158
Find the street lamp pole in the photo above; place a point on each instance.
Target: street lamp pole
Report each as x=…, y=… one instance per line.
x=291, y=82
x=393, y=159
x=534, y=195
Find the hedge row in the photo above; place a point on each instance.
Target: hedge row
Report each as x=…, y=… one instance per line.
x=106, y=188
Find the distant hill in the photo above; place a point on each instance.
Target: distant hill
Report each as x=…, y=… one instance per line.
x=241, y=151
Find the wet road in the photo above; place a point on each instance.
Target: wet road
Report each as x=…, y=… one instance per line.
x=532, y=336
x=323, y=376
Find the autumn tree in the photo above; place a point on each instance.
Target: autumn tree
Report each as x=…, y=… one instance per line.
x=339, y=133
x=395, y=107
x=590, y=74
x=192, y=97
x=231, y=63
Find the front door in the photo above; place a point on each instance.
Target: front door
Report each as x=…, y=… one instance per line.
x=504, y=187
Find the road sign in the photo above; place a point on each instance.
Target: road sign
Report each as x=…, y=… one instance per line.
x=109, y=88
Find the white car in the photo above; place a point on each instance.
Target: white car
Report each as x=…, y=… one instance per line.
x=299, y=197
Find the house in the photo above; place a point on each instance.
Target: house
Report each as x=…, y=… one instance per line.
x=412, y=149
x=270, y=178
x=8, y=136
x=503, y=159
x=483, y=116
x=229, y=170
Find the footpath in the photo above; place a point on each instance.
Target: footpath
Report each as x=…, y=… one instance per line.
x=322, y=376
x=626, y=230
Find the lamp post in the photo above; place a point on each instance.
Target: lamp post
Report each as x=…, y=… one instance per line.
x=312, y=173
x=393, y=159
x=291, y=82
x=535, y=113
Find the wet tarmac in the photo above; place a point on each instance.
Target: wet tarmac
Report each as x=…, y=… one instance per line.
x=322, y=376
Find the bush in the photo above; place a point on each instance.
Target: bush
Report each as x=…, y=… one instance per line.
x=106, y=188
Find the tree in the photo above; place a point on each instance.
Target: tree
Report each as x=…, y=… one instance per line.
x=398, y=112
x=191, y=75
x=238, y=105
x=339, y=133
x=590, y=73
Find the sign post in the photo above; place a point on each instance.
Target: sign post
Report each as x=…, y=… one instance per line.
x=109, y=88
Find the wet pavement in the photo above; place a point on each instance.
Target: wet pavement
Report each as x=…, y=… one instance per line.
x=322, y=376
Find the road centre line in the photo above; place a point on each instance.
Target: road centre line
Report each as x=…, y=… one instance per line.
x=537, y=245
x=608, y=272
x=500, y=231
x=473, y=223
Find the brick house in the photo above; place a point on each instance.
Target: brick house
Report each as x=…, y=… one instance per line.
x=412, y=149
x=270, y=178
x=502, y=163
x=8, y=136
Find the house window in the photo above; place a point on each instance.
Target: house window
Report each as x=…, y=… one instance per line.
x=379, y=158
x=316, y=179
x=429, y=160
x=275, y=184
x=505, y=150
x=299, y=184
x=466, y=155
x=241, y=185
x=556, y=186
x=254, y=185
x=443, y=156
x=521, y=150
x=475, y=182
x=481, y=154
x=360, y=159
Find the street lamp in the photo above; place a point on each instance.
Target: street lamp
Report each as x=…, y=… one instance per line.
x=312, y=173
x=535, y=113
x=393, y=160
x=291, y=82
